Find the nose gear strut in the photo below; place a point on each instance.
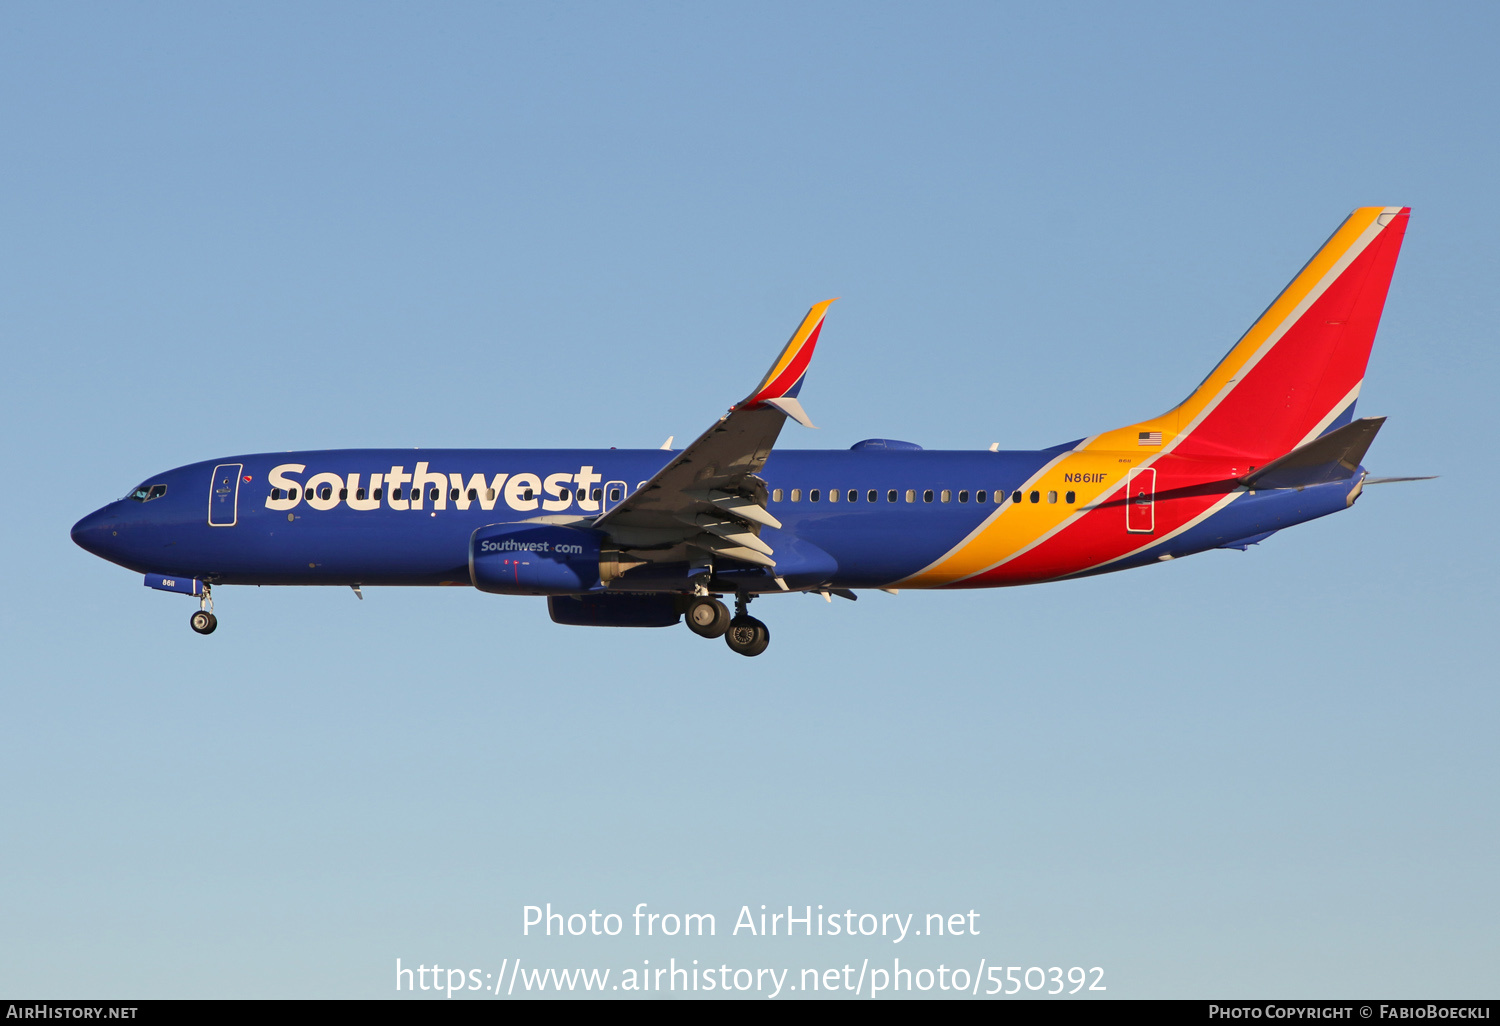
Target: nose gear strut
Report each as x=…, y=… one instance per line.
x=204, y=621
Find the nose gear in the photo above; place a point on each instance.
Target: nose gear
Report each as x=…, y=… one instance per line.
x=204, y=621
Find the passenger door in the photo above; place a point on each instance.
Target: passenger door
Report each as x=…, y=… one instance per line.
x=1140, y=501
x=224, y=495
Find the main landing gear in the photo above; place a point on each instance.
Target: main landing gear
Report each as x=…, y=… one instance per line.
x=707, y=617
x=204, y=621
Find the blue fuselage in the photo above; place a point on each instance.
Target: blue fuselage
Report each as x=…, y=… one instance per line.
x=881, y=515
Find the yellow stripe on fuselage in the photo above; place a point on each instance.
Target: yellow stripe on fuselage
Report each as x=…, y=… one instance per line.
x=1017, y=527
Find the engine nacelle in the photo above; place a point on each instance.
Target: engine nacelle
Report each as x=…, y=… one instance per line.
x=534, y=559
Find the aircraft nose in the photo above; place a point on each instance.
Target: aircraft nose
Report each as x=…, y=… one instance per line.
x=95, y=532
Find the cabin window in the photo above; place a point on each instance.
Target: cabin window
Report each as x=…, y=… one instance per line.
x=527, y=495
x=1051, y=496
x=853, y=495
x=1071, y=497
x=927, y=495
x=872, y=496
x=598, y=494
x=359, y=494
x=615, y=495
x=1036, y=496
x=582, y=494
x=775, y=494
x=963, y=496
x=947, y=495
x=326, y=492
x=796, y=494
x=343, y=493
x=380, y=493
x=891, y=495
x=453, y=494
x=489, y=495
x=432, y=493
x=814, y=494
x=979, y=496
x=275, y=493
x=291, y=493
x=1015, y=496
x=833, y=495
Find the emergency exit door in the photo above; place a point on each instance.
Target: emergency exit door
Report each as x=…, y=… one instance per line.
x=614, y=494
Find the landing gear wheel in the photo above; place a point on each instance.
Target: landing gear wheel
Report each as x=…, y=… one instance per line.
x=747, y=636
x=707, y=617
x=204, y=622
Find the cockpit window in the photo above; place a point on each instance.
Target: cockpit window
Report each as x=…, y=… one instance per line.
x=145, y=493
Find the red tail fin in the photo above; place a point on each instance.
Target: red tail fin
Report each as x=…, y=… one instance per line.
x=1298, y=370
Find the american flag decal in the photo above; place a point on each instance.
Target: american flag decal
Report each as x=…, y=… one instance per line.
x=1150, y=438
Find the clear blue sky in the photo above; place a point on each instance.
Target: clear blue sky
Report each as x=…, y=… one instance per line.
x=239, y=228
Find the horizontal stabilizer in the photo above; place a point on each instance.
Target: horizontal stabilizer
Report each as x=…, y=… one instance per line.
x=1334, y=457
x=1393, y=480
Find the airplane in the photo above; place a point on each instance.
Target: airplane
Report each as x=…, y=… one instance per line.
x=650, y=537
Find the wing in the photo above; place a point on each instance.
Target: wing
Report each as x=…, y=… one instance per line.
x=708, y=502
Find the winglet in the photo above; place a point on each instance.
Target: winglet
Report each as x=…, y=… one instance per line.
x=784, y=380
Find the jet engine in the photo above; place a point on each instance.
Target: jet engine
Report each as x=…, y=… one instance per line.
x=534, y=559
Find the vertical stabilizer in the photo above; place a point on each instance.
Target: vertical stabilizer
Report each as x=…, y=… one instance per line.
x=1297, y=372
